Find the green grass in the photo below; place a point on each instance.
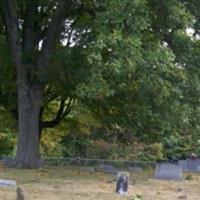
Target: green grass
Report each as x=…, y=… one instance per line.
x=68, y=183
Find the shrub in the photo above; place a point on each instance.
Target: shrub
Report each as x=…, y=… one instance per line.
x=7, y=143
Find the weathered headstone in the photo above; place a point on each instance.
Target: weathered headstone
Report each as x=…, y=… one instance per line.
x=5, y=182
x=122, y=183
x=193, y=165
x=168, y=171
x=183, y=164
x=107, y=169
x=90, y=170
x=135, y=169
x=20, y=194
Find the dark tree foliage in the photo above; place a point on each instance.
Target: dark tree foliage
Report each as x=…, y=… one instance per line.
x=131, y=62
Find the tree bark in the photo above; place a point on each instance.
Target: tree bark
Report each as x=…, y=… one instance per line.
x=29, y=104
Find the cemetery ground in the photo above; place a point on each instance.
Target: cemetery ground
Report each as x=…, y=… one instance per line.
x=69, y=183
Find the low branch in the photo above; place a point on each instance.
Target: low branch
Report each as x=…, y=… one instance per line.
x=62, y=112
x=51, y=96
x=68, y=108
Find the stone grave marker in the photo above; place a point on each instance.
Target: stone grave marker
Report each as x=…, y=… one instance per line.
x=20, y=194
x=107, y=169
x=122, y=183
x=135, y=169
x=5, y=182
x=90, y=170
x=193, y=165
x=168, y=171
x=183, y=164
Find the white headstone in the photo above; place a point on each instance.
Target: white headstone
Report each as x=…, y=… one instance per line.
x=168, y=171
x=4, y=182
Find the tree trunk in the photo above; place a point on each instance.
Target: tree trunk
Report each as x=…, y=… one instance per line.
x=29, y=104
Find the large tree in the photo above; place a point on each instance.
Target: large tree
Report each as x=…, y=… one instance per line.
x=58, y=50
x=33, y=30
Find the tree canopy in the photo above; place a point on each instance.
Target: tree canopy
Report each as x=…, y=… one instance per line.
x=132, y=64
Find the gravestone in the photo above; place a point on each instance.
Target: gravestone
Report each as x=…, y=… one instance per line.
x=107, y=169
x=20, y=194
x=90, y=170
x=193, y=165
x=135, y=169
x=122, y=183
x=168, y=171
x=5, y=182
x=183, y=164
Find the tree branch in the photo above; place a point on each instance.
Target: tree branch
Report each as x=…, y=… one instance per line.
x=29, y=26
x=72, y=26
x=52, y=32
x=68, y=108
x=49, y=95
x=62, y=112
x=9, y=15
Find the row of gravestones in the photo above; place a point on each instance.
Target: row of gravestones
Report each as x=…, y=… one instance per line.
x=175, y=171
x=190, y=165
x=166, y=170
x=163, y=170
x=110, y=169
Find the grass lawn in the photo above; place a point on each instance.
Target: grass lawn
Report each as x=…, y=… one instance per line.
x=65, y=183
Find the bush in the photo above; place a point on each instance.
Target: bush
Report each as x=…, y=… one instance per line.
x=7, y=143
x=88, y=147
x=78, y=146
x=150, y=153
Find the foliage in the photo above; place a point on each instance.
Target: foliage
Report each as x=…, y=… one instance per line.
x=7, y=143
x=153, y=95
x=94, y=146
x=50, y=143
x=152, y=152
x=7, y=133
x=7, y=85
x=189, y=177
x=138, y=197
x=74, y=147
x=129, y=76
